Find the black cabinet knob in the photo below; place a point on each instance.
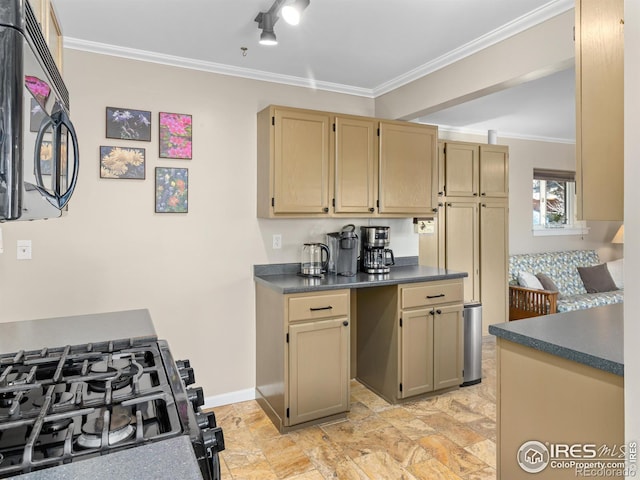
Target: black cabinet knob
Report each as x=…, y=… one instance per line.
x=372, y=209
x=438, y=311
x=345, y=323
x=325, y=209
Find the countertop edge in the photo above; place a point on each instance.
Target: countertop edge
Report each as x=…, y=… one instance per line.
x=587, y=359
x=377, y=282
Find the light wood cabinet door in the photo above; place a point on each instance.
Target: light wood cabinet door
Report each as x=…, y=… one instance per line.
x=448, y=346
x=318, y=369
x=300, y=162
x=494, y=242
x=600, y=109
x=416, y=352
x=462, y=245
x=461, y=169
x=494, y=171
x=407, y=168
x=356, y=165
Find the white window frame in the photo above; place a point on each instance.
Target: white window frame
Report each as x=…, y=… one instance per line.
x=572, y=227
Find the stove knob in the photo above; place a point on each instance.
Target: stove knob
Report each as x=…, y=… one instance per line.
x=213, y=439
x=187, y=375
x=206, y=419
x=196, y=397
x=183, y=363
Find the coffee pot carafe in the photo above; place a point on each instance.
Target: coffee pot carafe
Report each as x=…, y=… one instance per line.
x=315, y=259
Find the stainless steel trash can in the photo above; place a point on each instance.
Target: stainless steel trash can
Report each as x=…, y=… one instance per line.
x=472, y=344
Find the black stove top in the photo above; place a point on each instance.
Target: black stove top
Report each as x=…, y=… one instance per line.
x=64, y=404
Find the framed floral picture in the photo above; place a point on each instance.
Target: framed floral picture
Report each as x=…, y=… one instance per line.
x=172, y=190
x=122, y=162
x=128, y=124
x=175, y=135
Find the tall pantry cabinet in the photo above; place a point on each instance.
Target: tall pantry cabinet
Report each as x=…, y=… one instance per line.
x=473, y=223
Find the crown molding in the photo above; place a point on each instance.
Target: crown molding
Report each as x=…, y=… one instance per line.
x=501, y=134
x=520, y=24
x=542, y=14
x=212, y=67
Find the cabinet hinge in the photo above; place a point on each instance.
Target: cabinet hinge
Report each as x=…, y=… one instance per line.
x=378, y=131
x=378, y=203
x=334, y=127
x=333, y=202
x=287, y=412
x=273, y=201
x=287, y=338
x=401, y=387
x=273, y=120
x=400, y=322
x=444, y=150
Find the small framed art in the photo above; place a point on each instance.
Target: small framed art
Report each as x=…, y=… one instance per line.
x=128, y=124
x=122, y=162
x=172, y=190
x=175, y=135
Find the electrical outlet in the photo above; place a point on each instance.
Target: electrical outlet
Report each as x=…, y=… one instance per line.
x=425, y=227
x=277, y=241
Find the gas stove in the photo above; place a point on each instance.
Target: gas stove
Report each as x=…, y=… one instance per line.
x=66, y=404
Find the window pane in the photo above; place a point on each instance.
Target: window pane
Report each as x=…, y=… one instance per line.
x=536, y=202
x=556, y=207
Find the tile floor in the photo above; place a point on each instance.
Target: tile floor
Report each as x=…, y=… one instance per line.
x=450, y=436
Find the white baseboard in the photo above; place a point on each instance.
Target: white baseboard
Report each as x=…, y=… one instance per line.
x=231, y=397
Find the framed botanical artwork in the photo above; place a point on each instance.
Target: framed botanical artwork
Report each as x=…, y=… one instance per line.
x=175, y=135
x=128, y=124
x=122, y=162
x=172, y=190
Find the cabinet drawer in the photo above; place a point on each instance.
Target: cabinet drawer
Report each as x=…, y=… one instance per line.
x=318, y=306
x=432, y=294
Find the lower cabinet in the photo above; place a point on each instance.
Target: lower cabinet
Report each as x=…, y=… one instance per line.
x=410, y=338
x=302, y=355
x=318, y=369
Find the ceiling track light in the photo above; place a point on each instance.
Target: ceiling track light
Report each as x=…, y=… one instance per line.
x=266, y=20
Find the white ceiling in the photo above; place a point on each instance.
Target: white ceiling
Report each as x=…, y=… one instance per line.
x=360, y=47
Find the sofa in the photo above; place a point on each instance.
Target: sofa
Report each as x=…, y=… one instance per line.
x=566, y=281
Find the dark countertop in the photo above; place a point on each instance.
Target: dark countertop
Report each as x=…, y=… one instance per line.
x=290, y=282
x=167, y=460
x=75, y=330
x=593, y=336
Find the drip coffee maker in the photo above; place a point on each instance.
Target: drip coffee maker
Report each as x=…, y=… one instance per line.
x=375, y=256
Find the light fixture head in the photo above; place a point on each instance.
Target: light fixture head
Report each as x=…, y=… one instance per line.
x=265, y=22
x=292, y=12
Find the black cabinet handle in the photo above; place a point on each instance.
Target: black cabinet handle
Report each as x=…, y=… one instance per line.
x=315, y=309
x=345, y=323
x=440, y=295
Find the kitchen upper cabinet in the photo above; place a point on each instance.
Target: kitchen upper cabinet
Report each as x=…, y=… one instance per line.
x=473, y=170
x=356, y=165
x=314, y=164
x=293, y=162
x=408, y=168
x=599, y=40
x=47, y=18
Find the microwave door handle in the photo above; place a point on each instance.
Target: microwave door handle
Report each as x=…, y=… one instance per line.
x=64, y=198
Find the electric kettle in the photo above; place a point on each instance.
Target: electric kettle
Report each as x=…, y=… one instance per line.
x=315, y=259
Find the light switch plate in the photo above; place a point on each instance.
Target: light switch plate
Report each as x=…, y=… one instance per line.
x=24, y=250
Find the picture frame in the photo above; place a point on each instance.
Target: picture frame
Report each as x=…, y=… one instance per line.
x=128, y=124
x=122, y=162
x=171, y=190
x=175, y=135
